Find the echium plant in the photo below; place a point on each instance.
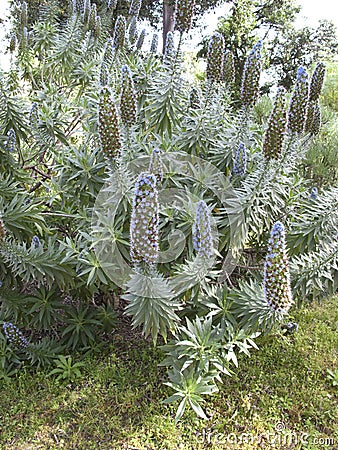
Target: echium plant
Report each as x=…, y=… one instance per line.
x=140, y=40
x=201, y=232
x=299, y=103
x=156, y=165
x=215, y=58
x=251, y=75
x=109, y=129
x=144, y=221
x=169, y=53
x=240, y=161
x=135, y=7
x=128, y=105
x=14, y=335
x=277, y=287
x=119, y=32
x=229, y=68
x=184, y=11
x=274, y=136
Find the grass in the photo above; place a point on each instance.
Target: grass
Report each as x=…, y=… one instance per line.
x=117, y=402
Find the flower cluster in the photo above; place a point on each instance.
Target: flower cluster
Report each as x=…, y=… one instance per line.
x=2, y=230
x=169, y=53
x=34, y=116
x=156, y=165
x=36, y=242
x=11, y=141
x=154, y=43
x=194, y=98
x=274, y=136
x=140, y=40
x=135, y=7
x=240, y=162
x=14, y=335
x=299, y=103
x=215, y=58
x=128, y=105
x=277, y=287
x=133, y=30
x=317, y=81
x=229, y=68
x=144, y=220
x=184, y=11
x=119, y=32
x=314, y=193
x=251, y=75
x=201, y=232
x=109, y=130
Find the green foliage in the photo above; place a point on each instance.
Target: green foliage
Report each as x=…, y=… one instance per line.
x=66, y=370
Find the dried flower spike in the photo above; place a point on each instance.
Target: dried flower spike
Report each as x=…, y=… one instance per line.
x=251, y=75
x=184, y=11
x=274, y=136
x=215, y=58
x=109, y=130
x=277, y=287
x=299, y=103
x=128, y=104
x=145, y=220
x=202, y=237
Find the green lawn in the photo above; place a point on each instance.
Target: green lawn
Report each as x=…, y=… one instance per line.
x=117, y=402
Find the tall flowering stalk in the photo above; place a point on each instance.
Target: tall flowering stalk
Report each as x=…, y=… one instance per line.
x=317, y=120
x=241, y=160
x=14, y=335
x=184, y=11
x=251, y=75
x=128, y=105
x=316, y=82
x=215, y=58
x=299, y=102
x=277, y=287
x=34, y=117
x=154, y=43
x=133, y=30
x=201, y=232
x=109, y=52
x=109, y=130
x=119, y=32
x=194, y=98
x=135, y=7
x=92, y=17
x=170, y=52
x=2, y=230
x=86, y=11
x=140, y=40
x=144, y=221
x=229, y=68
x=11, y=141
x=156, y=165
x=275, y=133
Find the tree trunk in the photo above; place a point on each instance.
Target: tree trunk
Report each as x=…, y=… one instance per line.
x=168, y=19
